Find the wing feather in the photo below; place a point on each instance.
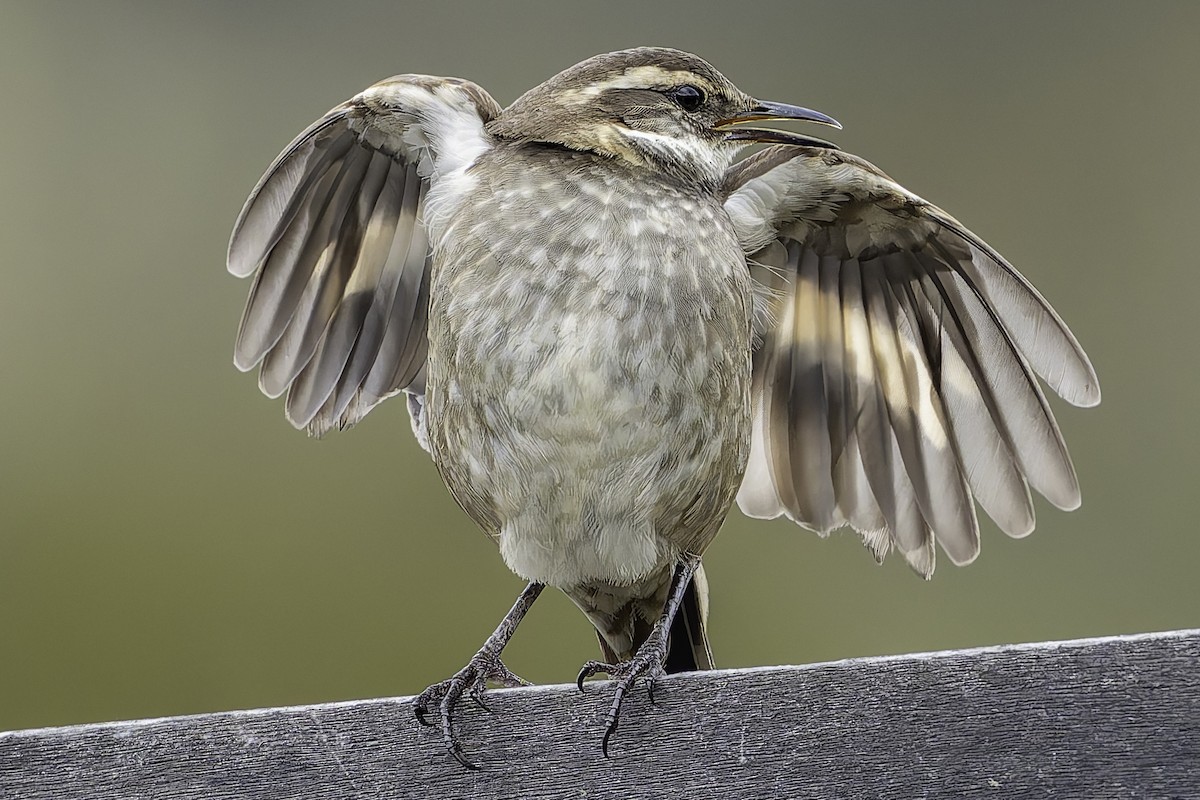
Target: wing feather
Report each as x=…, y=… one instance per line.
x=895, y=383
x=975, y=413
x=807, y=404
x=327, y=284
x=394, y=263
x=280, y=194
x=334, y=236
x=867, y=403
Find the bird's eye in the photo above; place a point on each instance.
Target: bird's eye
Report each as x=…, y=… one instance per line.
x=689, y=97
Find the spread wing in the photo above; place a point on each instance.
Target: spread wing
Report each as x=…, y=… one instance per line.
x=334, y=237
x=895, y=383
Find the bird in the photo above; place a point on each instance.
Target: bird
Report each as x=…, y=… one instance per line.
x=610, y=325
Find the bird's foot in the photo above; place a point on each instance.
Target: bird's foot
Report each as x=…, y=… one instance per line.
x=471, y=680
x=646, y=663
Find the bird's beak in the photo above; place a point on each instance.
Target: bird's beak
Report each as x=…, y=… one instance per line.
x=765, y=110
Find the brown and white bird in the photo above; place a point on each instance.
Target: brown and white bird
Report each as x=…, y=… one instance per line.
x=607, y=331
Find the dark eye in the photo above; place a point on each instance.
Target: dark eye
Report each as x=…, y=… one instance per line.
x=689, y=97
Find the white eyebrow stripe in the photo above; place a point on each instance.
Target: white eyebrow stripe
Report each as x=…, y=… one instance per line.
x=641, y=78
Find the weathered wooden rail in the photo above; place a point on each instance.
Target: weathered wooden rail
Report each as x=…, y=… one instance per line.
x=1101, y=718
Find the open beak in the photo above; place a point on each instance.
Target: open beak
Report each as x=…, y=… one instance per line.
x=765, y=110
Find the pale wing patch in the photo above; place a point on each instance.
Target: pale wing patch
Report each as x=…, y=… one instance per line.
x=895, y=382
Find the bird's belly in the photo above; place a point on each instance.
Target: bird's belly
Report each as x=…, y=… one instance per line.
x=595, y=437
x=589, y=365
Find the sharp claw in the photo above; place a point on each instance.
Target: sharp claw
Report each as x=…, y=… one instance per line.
x=477, y=696
x=608, y=732
x=421, y=707
x=456, y=751
x=592, y=668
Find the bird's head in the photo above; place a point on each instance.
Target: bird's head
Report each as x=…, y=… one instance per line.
x=651, y=106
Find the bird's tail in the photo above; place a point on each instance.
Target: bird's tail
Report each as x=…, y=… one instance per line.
x=688, y=650
x=625, y=616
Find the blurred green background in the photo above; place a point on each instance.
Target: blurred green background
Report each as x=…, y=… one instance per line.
x=168, y=544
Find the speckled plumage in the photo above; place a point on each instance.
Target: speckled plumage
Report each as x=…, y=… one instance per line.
x=588, y=389
x=601, y=323
x=588, y=384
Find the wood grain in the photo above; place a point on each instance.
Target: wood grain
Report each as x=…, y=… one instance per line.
x=1102, y=718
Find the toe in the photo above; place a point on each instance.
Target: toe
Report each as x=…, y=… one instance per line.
x=595, y=668
x=476, y=694
x=430, y=698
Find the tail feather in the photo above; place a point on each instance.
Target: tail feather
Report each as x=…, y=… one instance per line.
x=624, y=618
x=689, y=650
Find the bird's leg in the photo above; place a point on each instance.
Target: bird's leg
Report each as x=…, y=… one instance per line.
x=648, y=661
x=472, y=679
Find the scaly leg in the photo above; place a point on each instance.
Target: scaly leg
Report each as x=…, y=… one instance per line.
x=649, y=659
x=472, y=679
